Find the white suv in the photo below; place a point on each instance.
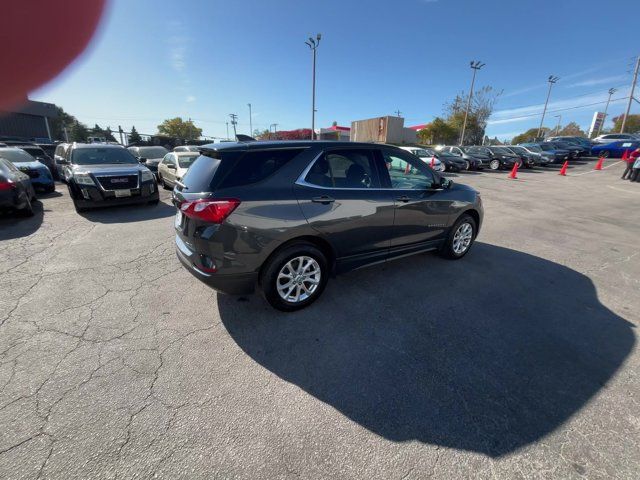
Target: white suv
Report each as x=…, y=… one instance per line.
x=425, y=157
x=614, y=137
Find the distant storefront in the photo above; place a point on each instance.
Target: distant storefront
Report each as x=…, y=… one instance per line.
x=334, y=132
x=29, y=121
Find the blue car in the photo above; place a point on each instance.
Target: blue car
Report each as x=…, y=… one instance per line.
x=39, y=174
x=615, y=149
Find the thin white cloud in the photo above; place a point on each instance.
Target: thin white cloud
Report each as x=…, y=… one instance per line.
x=177, y=49
x=599, y=81
x=522, y=114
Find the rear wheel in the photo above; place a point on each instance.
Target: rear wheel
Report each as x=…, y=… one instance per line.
x=605, y=153
x=294, y=277
x=27, y=210
x=460, y=238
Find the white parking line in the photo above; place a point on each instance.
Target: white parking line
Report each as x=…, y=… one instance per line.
x=591, y=171
x=636, y=192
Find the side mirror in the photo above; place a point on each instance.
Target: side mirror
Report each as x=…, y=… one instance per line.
x=445, y=182
x=142, y=160
x=171, y=167
x=62, y=161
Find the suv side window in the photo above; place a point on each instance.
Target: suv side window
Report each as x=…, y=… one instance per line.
x=170, y=159
x=407, y=173
x=346, y=168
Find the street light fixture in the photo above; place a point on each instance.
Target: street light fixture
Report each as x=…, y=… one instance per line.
x=604, y=116
x=551, y=81
x=313, y=45
x=250, y=121
x=475, y=65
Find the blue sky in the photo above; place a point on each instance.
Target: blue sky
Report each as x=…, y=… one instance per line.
x=202, y=59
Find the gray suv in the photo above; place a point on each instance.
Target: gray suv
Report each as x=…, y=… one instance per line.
x=285, y=216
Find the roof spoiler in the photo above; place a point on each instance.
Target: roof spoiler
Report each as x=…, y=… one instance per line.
x=244, y=138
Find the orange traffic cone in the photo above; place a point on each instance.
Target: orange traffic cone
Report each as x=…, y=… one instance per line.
x=599, y=164
x=433, y=161
x=625, y=155
x=514, y=172
x=563, y=170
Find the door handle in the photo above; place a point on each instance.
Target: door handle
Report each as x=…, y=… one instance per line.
x=325, y=200
x=403, y=198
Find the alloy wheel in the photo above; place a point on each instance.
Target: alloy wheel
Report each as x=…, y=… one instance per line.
x=298, y=279
x=462, y=238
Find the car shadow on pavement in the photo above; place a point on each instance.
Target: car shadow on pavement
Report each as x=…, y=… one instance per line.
x=487, y=354
x=12, y=225
x=129, y=213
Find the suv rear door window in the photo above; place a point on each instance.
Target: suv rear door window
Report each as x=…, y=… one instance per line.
x=348, y=168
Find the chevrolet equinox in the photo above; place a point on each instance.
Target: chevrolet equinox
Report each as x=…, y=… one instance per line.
x=284, y=216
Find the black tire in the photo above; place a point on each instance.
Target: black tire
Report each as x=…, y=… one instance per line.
x=447, y=250
x=605, y=153
x=494, y=165
x=78, y=208
x=278, y=261
x=162, y=182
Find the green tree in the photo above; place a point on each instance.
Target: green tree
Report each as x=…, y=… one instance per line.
x=572, y=129
x=529, y=136
x=262, y=134
x=134, y=136
x=58, y=124
x=78, y=132
x=108, y=135
x=631, y=126
x=481, y=108
x=178, y=128
x=438, y=132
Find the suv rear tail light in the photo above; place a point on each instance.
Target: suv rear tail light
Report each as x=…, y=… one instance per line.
x=6, y=185
x=213, y=211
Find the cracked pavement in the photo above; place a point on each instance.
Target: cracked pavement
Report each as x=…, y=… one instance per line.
x=519, y=361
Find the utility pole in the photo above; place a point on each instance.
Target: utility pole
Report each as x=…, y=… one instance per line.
x=604, y=117
x=633, y=88
x=313, y=45
x=398, y=112
x=475, y=65
x=234, y=122
x=120, y=132
x=551, y=81
x=227, y=130
x=250, y=121
x=559, y=117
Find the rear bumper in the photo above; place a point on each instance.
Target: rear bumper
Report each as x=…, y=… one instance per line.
x=235, y=284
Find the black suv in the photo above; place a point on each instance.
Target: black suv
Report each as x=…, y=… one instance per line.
x=284, y=216
x=102, y=175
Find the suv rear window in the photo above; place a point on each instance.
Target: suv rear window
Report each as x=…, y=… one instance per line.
x=235, y=169
x=255, y=166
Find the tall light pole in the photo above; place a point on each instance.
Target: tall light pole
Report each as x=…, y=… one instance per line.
x=250, y=121
x=313, y=45
x=475, y=66
x=227, y=130
x=551, y=81
x=604, y=117
x=559, y=117
x=633, y=87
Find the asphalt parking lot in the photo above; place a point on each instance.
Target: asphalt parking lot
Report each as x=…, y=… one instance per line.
x=520, y=361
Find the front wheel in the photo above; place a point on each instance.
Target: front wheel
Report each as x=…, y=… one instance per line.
x=605, y=153
x=295, y=277
x=494, y=164
x=460, y=238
